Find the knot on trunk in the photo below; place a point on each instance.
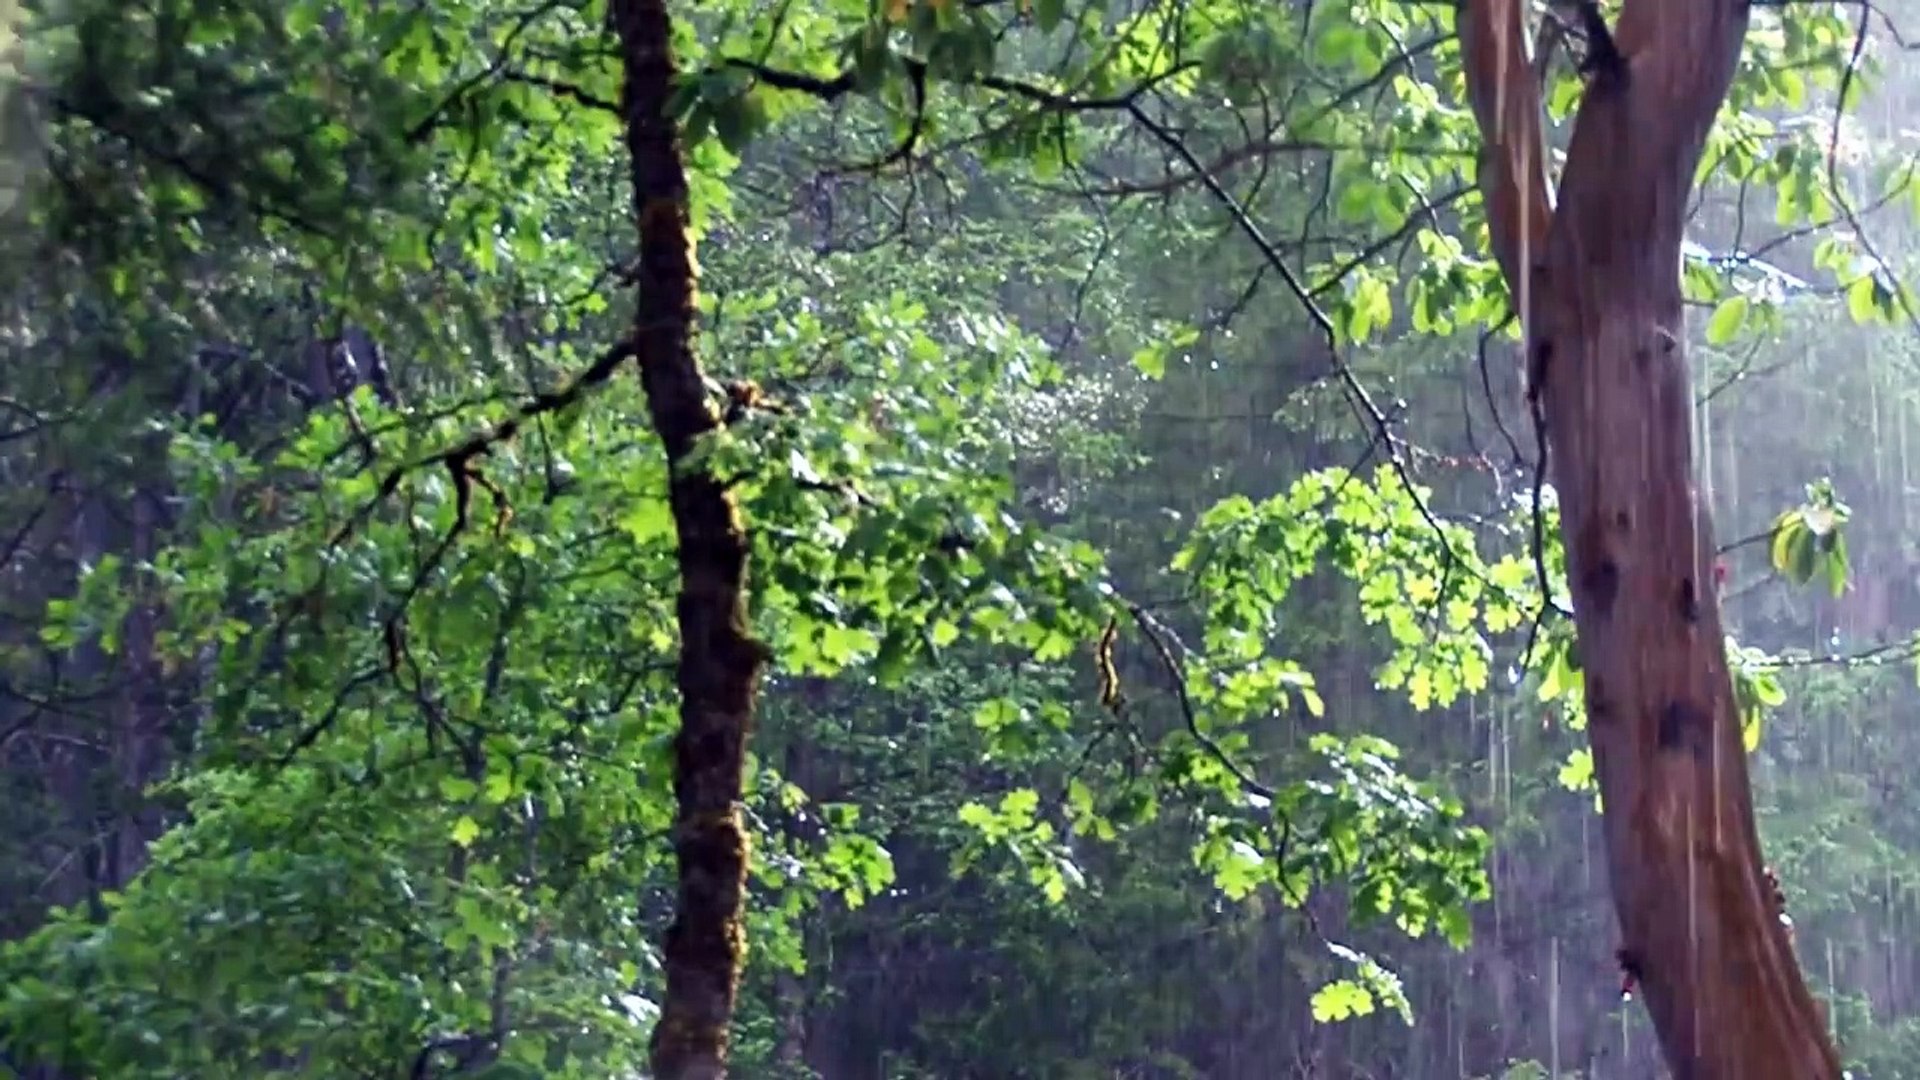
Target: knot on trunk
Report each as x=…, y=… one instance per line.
x=1685, y=728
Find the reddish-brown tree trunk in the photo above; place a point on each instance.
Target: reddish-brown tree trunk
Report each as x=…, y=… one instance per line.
x=1597, y=284
x=720, y=662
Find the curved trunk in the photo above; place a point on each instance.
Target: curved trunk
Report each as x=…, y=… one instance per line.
x=1597, y=285
x=719, y=661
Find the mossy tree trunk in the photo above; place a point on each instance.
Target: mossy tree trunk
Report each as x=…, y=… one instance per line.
x=719, y=665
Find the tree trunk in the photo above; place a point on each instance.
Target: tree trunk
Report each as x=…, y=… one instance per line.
x=719, y=661
x=1598, y=288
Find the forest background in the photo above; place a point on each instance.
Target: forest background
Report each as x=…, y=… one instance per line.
x=1146, y=542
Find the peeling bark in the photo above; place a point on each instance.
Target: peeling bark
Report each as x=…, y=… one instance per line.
x=1597, y=284
x=720, y=662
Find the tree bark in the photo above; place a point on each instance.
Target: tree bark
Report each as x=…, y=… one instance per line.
x=720, y=663
x=1597, y=285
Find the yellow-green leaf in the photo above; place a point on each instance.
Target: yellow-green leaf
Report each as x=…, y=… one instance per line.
x=1341, y=1000
x=465, y=831
x=1727, y=319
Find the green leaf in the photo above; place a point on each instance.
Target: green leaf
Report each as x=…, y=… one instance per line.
x=1151, y=361
x=997, y=714
x=648, y=520
x=499, y=787
x=465, y=831
x=737, y=120
x=1802, y=557
x=1342, y=999
x=1863, y=299
x=1786, y=528
x=1576, y=773
x=1727, y=319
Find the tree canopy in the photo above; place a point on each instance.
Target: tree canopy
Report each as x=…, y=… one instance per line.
x=957, y=538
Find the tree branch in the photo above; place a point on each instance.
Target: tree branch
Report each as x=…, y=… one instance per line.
x=847, y=81
x=1514, y=182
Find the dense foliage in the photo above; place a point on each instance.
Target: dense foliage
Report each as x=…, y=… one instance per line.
x=1146, y=539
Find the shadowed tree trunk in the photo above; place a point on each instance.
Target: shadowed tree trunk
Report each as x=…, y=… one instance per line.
x=719, y=661
x=1597, y=284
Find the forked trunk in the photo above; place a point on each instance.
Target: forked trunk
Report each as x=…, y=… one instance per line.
x=1598, y=287
x=719, y=661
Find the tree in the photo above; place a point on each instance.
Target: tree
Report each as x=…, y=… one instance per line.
x=424, y=825
x=1597, y=288
x=719, y=662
